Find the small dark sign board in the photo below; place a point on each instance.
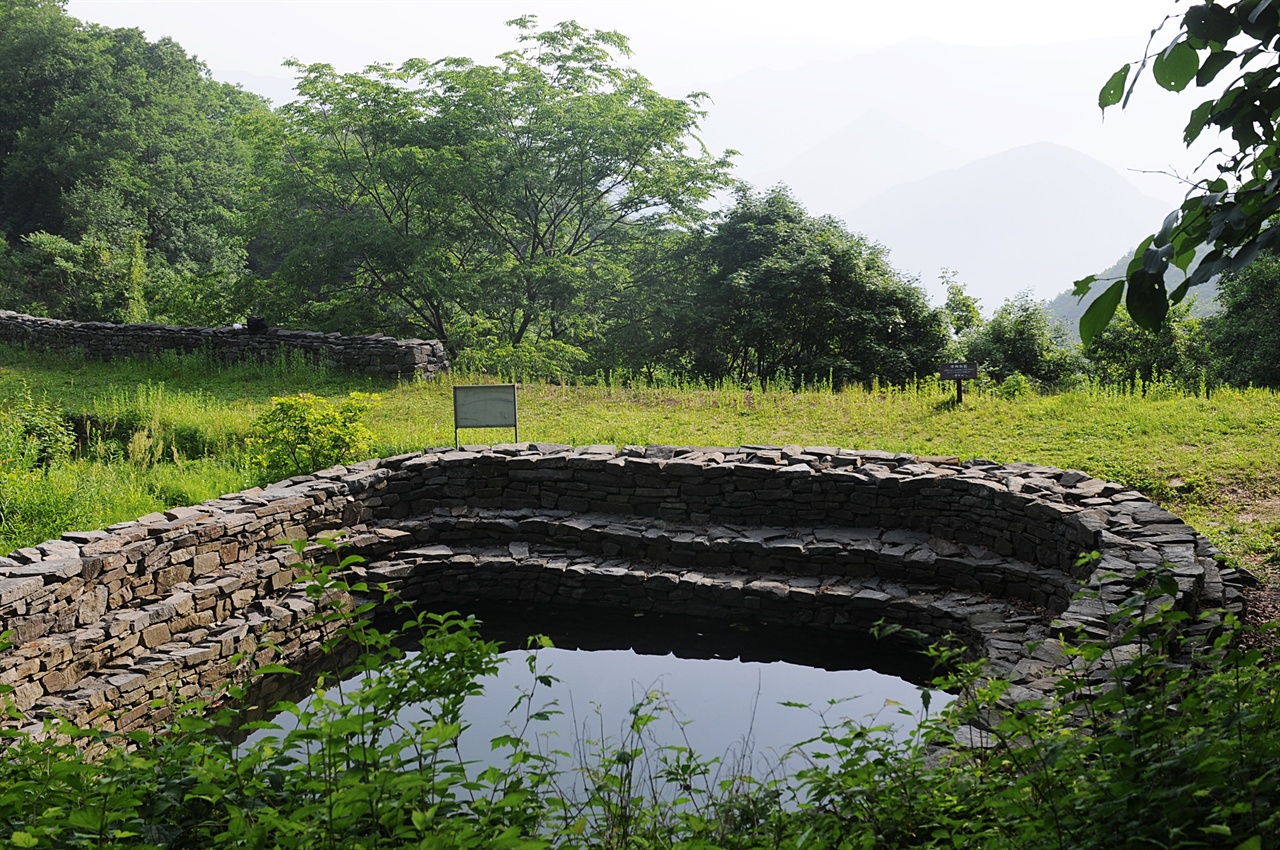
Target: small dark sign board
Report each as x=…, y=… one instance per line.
x=958, y=371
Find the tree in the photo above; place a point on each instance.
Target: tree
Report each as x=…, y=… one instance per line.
x=1229, y=211
x=1245, y=336
x=1125, y=354
x=111, y=142
x=788, y=294
x=491, y=202
x=963, y=310
x=1019, y=339
x=361, y=208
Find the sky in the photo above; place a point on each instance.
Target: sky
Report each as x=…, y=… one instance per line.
x=687, y=46
x=963, y=79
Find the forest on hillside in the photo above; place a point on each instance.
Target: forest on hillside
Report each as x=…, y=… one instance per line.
x=548, y=215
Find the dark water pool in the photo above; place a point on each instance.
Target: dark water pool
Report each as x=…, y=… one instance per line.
x=717, y=689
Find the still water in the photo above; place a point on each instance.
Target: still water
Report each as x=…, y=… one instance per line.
x=716, y=689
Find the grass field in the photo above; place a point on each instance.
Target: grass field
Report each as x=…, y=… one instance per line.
x=1215, y=462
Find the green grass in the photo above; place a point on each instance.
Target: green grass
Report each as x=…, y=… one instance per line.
x=1216, y=462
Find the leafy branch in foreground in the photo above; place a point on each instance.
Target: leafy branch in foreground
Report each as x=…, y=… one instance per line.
x=1223, y=223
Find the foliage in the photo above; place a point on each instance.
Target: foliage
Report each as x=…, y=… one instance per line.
x=122, y=172
x=1126, y=354
x=963, y=310
x=1245, y=336
x=485, y=202
x=547, y=359
x=1229, y=210
x=791, y=296
x=1020, y=339
x=303, y=433
x=37, y=435
x=89, y=280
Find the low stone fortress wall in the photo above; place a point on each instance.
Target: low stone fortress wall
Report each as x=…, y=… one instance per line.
x=375, y=354
x=173, y=605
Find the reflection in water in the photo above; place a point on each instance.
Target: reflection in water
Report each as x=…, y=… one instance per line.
x=711, y=687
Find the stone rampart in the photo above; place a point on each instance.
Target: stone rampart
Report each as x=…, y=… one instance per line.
x=376, y=354
x=173, y=605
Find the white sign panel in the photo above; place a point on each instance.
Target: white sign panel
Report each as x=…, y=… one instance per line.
x=487, y=406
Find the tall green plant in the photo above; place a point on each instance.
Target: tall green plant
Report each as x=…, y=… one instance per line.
x=304, y=432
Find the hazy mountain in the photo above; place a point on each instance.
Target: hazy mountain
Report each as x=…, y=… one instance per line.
x=977, y=100
x=867, y=156
x=1036, y=217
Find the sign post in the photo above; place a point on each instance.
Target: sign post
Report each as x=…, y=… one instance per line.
x=484, y=406
x=958, y=372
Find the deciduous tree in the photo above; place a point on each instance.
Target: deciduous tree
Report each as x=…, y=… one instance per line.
x=790, y=294
x=1020, y=339
x=493, y=202
x=1245, y=335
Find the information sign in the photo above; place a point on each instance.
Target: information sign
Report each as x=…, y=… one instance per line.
x=958, y=371
x=484, y=406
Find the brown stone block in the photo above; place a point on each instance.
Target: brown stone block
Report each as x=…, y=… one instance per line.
x=206, y=563
x=155, y=635
x=167, y=578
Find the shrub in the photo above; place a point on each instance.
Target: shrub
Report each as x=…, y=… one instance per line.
x=38, y=434
x=304, y=432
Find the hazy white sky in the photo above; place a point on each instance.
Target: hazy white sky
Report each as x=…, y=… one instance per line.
x=688, y=44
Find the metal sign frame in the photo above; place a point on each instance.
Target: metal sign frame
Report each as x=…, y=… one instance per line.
x=485, y=406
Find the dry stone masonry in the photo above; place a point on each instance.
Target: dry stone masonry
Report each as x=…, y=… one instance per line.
x=375, y=354
x=174, y=605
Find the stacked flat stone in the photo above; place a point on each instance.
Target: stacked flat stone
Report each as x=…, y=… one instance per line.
x=172, y=605
x=374, y=354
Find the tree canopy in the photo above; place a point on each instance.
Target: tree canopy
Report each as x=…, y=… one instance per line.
x=122, y=148
x=788, y=294
x=1020, y=339
x=1245, y=335
x=488, y=201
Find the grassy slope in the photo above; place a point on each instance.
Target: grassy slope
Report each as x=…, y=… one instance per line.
x=1216, y=462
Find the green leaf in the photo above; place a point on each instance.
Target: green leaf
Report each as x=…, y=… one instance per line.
x=26, y=839
x=1166, y=229
x=1114, y=89
x=1083, y=286
x=1198, y=121
x=1099, y=313
x=267, y=669
x=1136, y=262
x=1156, y=260
x=1210, y=22
x=1176, y=67
x=1213, y=63
x=1251, y=843
x=1146, y=299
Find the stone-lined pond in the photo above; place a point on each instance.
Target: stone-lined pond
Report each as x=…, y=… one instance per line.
x=716, y=689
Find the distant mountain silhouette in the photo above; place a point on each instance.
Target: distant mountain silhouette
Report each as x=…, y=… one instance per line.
x=1036, y=217
x=867, y=156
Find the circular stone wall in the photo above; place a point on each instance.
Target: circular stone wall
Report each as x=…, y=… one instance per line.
x=171, y=605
